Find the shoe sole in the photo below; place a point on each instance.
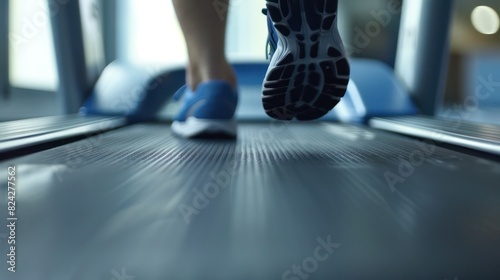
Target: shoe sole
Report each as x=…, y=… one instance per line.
x=204, y=128
x=309, y=72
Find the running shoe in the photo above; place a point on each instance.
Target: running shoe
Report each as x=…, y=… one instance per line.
x=309, y=70
x=208, y=111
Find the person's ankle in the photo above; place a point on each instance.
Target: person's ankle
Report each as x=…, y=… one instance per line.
x=196, y=76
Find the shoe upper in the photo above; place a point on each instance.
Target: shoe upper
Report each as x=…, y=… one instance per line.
x=272, y=37
x=215, y=100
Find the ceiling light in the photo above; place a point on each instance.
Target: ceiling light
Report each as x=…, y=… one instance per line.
x=485, y=20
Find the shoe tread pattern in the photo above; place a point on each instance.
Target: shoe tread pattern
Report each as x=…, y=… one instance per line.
x=308, y=83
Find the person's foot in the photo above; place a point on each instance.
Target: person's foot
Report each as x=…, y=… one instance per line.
x=309, y=70
x=207, y=111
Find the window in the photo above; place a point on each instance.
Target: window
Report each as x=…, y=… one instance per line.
x=29, y=73
x=32, y=62
x=150, y=32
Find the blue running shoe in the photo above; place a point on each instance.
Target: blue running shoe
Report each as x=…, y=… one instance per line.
x=209, y=111
x=309, y=70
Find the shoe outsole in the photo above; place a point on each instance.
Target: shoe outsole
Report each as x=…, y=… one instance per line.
x=310, y=74
x=205, y=128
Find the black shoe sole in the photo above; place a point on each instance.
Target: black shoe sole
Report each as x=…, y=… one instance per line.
x=310, y=74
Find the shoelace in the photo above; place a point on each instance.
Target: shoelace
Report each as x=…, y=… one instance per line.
x=272, y=37
x=179, y=93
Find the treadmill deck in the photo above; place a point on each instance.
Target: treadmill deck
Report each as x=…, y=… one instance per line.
x=138, y=201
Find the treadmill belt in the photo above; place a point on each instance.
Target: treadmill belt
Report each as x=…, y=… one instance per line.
x=283, y=201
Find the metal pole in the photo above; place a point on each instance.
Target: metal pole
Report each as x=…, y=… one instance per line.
x=78, y=40
x=109, y=25
x=4, y=48
x=70, y=54
x=424, y=49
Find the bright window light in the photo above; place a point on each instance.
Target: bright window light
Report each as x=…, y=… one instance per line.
x=485, y=20
x=150, y=33
x=32, y=59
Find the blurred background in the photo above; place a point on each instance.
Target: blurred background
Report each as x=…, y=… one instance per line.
x=146, y=32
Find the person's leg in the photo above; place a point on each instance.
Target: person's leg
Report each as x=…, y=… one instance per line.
x=309, y=70
x=204, y=32
x=209, y=102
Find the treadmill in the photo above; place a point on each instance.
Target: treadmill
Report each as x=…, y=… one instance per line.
x=378, y=189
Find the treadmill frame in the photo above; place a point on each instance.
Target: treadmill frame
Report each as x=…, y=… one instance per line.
x=424, y=43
